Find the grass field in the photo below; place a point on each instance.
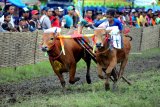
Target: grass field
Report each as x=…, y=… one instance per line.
x=145, y=92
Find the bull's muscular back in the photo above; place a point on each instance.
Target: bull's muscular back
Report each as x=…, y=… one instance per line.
x=73, y=50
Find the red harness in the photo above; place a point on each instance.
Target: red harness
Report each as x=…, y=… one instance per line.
x=50, y=53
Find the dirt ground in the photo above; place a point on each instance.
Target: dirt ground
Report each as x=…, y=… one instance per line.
x=9, y=93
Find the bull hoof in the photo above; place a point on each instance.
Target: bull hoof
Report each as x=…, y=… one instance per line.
x=75, y=80
x=63, y=83
x=107, y=88
x=88, y=79
x=101, y=77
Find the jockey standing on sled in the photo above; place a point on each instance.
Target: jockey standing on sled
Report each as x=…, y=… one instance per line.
x=112, y=23
x=114, y=27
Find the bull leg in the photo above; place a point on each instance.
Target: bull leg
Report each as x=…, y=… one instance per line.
x=100, y=70
x=58, y=73
x=123, y=64
x=88, y=62
x=72, y=78
x=109, y=71
x=114, y=74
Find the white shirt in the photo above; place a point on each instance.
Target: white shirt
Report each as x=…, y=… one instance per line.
x=45, y=22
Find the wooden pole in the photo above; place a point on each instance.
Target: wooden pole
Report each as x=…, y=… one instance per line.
x=83, y=8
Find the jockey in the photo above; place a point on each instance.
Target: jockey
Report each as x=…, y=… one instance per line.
x=116, y=26
x=114, y=21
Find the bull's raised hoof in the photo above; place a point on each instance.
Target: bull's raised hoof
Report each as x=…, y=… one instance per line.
x=88, y=79
x=107, y=88
x=75, y=80
x=101, y=77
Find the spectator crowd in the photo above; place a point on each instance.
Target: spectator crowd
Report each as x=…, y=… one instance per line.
x=31, y=20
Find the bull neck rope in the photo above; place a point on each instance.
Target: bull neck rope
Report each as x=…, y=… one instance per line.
x=50, y=53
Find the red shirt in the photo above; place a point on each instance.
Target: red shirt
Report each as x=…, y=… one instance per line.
x=88, y=19
x=54, y=21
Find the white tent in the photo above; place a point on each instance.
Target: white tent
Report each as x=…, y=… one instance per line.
x=145, y=2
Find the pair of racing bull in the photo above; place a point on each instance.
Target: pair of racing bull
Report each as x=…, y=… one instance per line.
x=106, y=58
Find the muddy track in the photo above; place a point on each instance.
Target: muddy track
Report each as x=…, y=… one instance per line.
x=44, y=85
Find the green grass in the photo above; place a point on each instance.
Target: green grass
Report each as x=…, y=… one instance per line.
x=25, y=72
x=144, y=92
x=42, y=69
x=145, y=54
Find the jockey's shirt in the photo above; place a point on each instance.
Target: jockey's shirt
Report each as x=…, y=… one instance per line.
x=117, y=23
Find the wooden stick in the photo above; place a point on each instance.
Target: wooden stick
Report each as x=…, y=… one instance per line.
x=129, y=83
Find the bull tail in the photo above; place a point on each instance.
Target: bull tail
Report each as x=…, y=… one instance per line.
x=129, y=37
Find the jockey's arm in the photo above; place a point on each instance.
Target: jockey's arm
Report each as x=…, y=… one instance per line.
x=120, y=26
x=98, y=22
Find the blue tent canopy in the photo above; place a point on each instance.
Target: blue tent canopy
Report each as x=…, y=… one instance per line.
x=18, y=3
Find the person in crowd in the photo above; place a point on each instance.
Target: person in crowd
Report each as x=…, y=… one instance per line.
x=99, y=19
x=67, y=21
x=55, y=18
x=9, y=9
x=126, y=15
x=121, y=18
x=43, y=11
x=149, y=16
x=6, y=25
x=158, y=18
x=134, y=18
x=60, y=14
x=143, y=19
x=23, y=25
x=137, y=24
x=44, y=20
x=76, y=19
x=61, y=10
x=26, y=14
x=34, y=23
x=88, y=18
x=153, y=19
x=130, y=19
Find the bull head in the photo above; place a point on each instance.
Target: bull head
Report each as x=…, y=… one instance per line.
x=48, y=39
x=99, y=36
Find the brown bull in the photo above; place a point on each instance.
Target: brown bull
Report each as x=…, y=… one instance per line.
x=108, y=58
x=73, y=53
